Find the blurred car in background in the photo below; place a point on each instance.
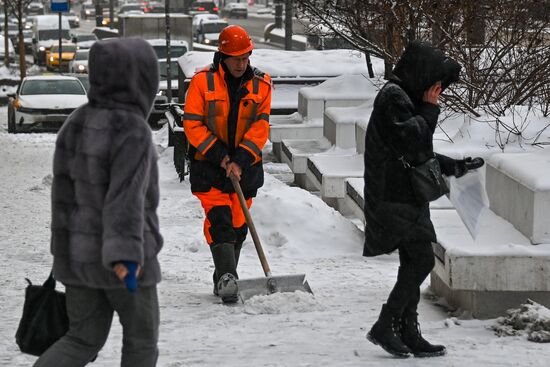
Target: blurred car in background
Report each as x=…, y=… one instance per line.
x=131, y=8
x=74, y=20
x=87, y=10
x=177, y=48
x=35, y=8
x=208, y=31
x=44, y=102
x=80, y=62
x=203, y=7
x=11, y=49
x=235, y=10
x=68, y=51
x=84, y=40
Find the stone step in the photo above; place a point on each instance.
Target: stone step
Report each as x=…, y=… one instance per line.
x=328, y=173
x=295, y=152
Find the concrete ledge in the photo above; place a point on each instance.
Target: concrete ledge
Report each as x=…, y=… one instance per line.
x=492, y=273
x=520, y=196
x=485, y=304
x=339, y=123
x=277, y=35
x=312, y=101
x=360, y=134
x=354, y=199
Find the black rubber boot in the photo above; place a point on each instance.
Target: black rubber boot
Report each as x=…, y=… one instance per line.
x=215, y=276
x=412, y=337
x=385, y=333
x=225, y=275
x=238, y=247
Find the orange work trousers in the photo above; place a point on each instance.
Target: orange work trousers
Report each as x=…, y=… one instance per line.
x=225, y=220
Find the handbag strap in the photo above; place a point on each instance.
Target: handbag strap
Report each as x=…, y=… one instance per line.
x=50, y=282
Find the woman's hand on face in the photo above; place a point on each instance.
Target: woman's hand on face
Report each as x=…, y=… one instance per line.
x=432, y=94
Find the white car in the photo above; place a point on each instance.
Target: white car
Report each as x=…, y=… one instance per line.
x=80, y=62
x=208, y=31
x=235, y=10
x=177, y=48
x=42, y=103
x=198, y=18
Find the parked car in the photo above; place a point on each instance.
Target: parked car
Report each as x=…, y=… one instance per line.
x=44, y=102
x=203, y=7
x=80, y=62
x=87, y=10
x=235, y=10
x=208, y=31
x=68, y=51
x=84, y=40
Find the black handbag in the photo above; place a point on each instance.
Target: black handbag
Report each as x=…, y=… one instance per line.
x=426, y=179
x=44, y=318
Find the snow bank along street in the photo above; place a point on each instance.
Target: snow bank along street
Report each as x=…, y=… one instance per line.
x=300, y=233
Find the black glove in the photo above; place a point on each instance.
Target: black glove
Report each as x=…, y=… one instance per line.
x=462, y=166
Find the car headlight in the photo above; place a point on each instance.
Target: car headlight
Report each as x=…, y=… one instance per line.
x=81, y=67
x=88, y=12
x=41, y=48
x=77, y=19
x=17, y=104
x=104, y=22
x=207, y=41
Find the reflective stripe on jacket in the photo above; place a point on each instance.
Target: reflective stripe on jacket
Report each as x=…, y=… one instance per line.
x=207, y=108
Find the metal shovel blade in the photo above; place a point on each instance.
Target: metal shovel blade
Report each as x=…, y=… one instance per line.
x=248, y=288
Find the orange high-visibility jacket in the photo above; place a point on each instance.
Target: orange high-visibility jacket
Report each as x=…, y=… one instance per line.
x=205, y=120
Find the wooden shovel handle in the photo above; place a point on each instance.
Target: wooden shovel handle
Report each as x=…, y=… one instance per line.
x=251, y=226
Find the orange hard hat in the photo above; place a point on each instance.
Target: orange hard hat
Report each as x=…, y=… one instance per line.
x=234, y=41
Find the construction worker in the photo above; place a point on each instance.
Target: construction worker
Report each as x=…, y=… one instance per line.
x=226, y=121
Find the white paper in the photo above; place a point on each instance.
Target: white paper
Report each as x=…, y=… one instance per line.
x=469, y=198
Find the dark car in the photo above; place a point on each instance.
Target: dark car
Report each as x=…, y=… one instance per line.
x=202, y=7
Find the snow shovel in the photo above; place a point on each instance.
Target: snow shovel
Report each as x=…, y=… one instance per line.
x=269, y=284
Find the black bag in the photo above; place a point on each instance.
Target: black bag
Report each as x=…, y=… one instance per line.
x=426, y=179
x=44, y=318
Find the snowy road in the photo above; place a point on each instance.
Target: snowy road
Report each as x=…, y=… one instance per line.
x=300, y=234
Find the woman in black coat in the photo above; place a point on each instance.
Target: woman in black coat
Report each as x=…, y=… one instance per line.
x=402, y=124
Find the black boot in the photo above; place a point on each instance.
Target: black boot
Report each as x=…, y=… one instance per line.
x=385, y=333
x=225, y=275
x=215, y=277
x=411, y=336
x=238, y=247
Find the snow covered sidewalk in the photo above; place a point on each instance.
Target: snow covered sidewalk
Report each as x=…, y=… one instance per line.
x=300, y=234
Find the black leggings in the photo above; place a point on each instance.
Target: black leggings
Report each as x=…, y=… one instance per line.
x=416, y=261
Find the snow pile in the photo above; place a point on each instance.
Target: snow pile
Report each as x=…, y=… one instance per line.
x=531, y=318
x=282, y=303
x=293, y=223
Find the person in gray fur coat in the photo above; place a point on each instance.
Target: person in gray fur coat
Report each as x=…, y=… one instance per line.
x=105, y=193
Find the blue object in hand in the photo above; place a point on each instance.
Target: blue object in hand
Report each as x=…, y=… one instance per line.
x=130, y=279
